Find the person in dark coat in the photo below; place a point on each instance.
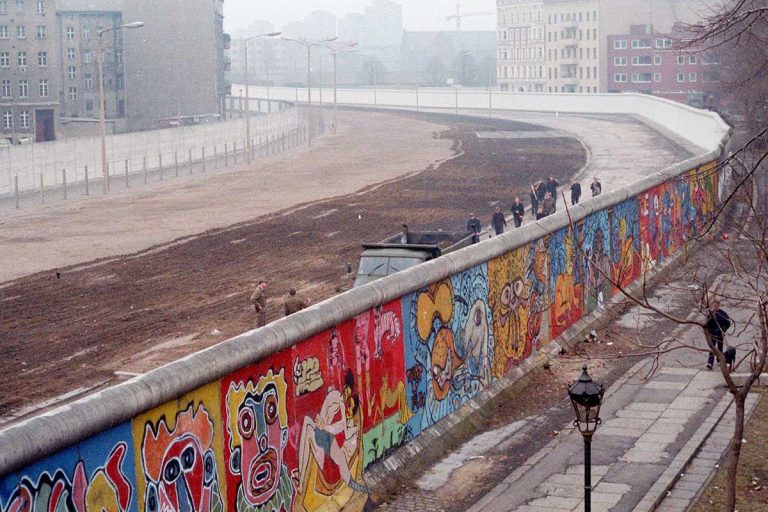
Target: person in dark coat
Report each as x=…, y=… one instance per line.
x=718, y=322
x=540, y=213
x=534, y=201
x=548, y=205
x=498, y=221
x=518, y=212
x=575, y=193
x=551, y=187
x=596, y=187
x=474, y=227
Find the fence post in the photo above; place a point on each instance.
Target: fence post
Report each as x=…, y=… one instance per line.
x=176, y=161
x=145, y=170
x=127, y=184
x=16, y=189
x=203, y=158
x=226, y=155
x=87, y=188
x=42, y=190
x=64, y=182
x=234, y=151
x=160, y=159
x=189, y=159
x=215, y=157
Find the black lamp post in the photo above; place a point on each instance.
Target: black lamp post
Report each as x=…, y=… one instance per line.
x=586, y=396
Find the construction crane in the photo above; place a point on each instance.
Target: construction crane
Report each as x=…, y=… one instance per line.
x=459, y=16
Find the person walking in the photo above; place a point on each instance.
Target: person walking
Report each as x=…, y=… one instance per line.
x=498, y=221
x=259, y=301
x=718, y=322
x=575, y=193
x=596, y=187
x=551, y=187
x=534, y=201
x=294, y=303
x=548, y=205
x=540, y=213
x=518, y=212
x=474, y=227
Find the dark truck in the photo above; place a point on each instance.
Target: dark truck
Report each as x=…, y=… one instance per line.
x=405, y=250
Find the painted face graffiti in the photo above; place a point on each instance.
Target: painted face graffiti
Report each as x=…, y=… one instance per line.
x=257, y=424
x=180, y=466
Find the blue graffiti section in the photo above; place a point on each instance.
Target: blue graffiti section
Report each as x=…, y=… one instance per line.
x=595, y=255
x=95, y=475
x=448, y=345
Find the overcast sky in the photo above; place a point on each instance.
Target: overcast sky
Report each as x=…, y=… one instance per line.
x=417, y=14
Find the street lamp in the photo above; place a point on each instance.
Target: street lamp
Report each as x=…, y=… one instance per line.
x=248, y=148
x=586, y=397
x=345, y=48
x=308, y=45
x=102, y=106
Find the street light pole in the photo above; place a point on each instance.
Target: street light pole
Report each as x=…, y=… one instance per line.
x=344, y=49
x=586, y=397
x=248, y=143
x=102, y=100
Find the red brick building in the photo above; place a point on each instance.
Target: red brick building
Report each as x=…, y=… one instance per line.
x=648, y=62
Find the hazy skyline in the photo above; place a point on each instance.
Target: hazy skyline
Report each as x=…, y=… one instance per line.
x=417, y=14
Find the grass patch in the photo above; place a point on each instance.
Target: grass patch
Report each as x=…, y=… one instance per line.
x=752, y=480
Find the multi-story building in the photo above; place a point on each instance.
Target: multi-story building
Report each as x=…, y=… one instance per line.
x=79, y=53
x=572, y=45
x=383, y=24
x=520, y=53
x=29, y=70
x=646, y=61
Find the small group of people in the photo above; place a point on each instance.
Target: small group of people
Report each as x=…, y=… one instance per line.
x=292, y=304
x=543, y=197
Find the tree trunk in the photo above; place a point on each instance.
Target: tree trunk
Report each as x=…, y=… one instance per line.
x=735, y=451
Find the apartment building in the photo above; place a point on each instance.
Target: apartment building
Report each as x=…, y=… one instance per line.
x=572, y=45
x=521, y=49
x=79, y=54
x=29, y=70
x=647, y=61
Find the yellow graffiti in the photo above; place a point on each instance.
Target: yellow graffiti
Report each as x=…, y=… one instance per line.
x=435, y=302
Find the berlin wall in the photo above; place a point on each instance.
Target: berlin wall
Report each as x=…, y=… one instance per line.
x=292, y=416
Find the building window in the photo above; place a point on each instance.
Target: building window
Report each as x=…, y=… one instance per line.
x=40, y=6
x=7, y=119
x=70, y=33
x=21, y=60
x=620, y=77
x=641, y=77
x=709, y=59
x=89, y=105
x=691, y=59
x=41, y=32
x=3, y=6
x=657, y=60
x=72, y=72
x=121, y=108
x=73, y=93
x=19, y=6
x=88, y=82
x=5, y=60
x=23, y=89
x=3, y=31
x=42, y=59
x=21, y=31
x=681, y=77
x=664, y=43
x=86, y=57
x=5, y=89
x=86, y=32
x=657, y=77
x=691, y=77
x=24, y=118
x=680, y=60
x=119, y=57
x=120, y=81
x=641, y=60
x=619, y=61
x=710, y=77
x=43, y=88
x=620, y=44
x=641, y=43
x=70, y=53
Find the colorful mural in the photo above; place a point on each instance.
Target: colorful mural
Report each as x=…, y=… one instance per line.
x=296, y=431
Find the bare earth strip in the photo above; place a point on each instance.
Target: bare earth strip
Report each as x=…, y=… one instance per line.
x=368, y=149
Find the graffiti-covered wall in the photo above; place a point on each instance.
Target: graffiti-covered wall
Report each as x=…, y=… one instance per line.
x=296, y=431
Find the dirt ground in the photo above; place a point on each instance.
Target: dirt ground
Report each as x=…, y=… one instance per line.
x=129, y=314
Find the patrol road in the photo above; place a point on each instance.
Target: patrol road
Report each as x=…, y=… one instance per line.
x=194, y=252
